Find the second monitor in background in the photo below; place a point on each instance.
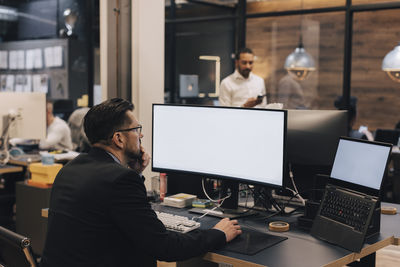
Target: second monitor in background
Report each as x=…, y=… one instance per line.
x=312, y=139
x=188, y=85
x=28, y=113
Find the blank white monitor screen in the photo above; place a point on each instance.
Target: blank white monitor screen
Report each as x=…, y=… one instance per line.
x=31, y=111
x=361, y=163
x=246, y=144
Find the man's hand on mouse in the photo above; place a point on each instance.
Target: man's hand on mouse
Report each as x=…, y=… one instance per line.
x=231, y=228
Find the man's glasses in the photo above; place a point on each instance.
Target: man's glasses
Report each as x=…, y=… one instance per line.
x=137, y=129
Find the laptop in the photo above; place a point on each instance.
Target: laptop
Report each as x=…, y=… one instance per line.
x=351, y=196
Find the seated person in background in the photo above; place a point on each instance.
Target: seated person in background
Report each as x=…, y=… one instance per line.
x=290, y=93
x=397, y=127
x=361, y=133
x=58, y=134
x=80, y=143
x=99, y=214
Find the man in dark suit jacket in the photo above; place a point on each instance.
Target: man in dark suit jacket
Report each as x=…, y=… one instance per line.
x=99, y=214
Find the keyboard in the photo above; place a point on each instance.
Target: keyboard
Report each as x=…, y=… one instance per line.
x=177, y=223
x=348, y=209
x=344, y=217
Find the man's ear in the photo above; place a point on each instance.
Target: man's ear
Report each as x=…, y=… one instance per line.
x=117, y=139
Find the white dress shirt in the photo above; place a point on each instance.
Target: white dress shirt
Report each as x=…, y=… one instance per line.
x=235, y=90
x=58, y=136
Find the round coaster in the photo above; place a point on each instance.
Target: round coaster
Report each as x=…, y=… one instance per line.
x=279, y=226
x=388, y=210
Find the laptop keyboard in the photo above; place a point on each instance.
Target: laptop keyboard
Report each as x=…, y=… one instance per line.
x=348, y=209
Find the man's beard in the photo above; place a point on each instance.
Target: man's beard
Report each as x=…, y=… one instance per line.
x=134, y=155
x=245, y=73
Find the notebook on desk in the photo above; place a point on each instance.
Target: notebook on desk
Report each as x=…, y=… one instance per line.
x=352, y=193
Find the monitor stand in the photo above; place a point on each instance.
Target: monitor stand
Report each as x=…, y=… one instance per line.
x=229, y=208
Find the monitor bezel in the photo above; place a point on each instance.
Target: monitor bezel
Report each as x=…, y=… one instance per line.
x=222, y=177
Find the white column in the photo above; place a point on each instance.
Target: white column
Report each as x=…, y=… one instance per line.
x=148, y=20
x=108, y=46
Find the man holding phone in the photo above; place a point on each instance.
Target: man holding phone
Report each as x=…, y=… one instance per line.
x=99, y=214
x=243, y=88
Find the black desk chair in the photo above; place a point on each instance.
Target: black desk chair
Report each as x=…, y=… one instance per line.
x=15, y=250
x=387, y=135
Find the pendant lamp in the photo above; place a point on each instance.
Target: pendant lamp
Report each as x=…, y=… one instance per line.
x=299, y=63
x=391, y=64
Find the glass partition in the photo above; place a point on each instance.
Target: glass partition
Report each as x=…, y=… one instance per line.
x=375, y=34
x=274, y=38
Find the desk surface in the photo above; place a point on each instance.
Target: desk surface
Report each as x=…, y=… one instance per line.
x=300, y=249
x=390, y=223
x=10, y=169
x=26, y=160
x=297, y=249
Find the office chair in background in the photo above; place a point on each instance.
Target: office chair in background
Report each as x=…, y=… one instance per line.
x=80, y=142
x=388, y=136
x=15, y=250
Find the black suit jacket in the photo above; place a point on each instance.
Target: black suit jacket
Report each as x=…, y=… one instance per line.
x=99, y=216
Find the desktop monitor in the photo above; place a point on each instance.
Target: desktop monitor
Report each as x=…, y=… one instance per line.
x=188, y=85
x=312, y=138
x=30, y=112
x=235, y=144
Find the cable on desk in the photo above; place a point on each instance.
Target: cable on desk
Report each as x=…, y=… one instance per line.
x=268, y=198
x=219, y=201
x=294, y=185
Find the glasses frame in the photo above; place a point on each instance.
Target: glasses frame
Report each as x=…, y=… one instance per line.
x=137, y=129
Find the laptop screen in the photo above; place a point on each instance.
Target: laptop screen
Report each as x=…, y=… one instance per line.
x=361, y=162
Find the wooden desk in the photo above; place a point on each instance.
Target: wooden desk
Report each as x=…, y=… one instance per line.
x=24, y=162
x=10, y=169
x=300, y=249
x=390, y=224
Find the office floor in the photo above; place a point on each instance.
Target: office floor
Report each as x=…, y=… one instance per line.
x=386, y=257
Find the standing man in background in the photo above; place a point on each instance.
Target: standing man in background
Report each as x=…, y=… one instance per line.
x=291, y=93
x=243, y=88
x=58, y=134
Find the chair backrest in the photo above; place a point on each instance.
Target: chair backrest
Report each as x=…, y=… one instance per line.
x=15, y=250
x=387, y=136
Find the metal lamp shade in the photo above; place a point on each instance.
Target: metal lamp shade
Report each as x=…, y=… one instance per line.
x=391, y=64
x=299, y=63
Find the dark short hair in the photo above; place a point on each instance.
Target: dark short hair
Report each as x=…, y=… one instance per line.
x=352, y=109
x=243, y=50
x=102, y=120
